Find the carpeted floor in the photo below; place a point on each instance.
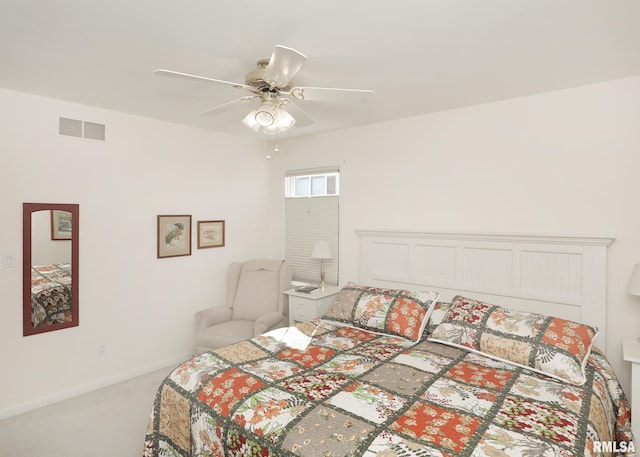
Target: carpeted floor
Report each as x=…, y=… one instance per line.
x=105, y=423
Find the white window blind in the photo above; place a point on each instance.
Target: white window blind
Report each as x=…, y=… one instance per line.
x=308, y=220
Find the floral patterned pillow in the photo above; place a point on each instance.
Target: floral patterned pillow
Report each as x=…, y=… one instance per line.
x=393, y=312
x=440, y=310
x=549, y=345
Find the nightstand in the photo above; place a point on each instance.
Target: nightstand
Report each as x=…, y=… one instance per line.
x=304, y=307
x=631, y=353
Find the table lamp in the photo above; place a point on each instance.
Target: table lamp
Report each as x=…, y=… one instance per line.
x=322, y=251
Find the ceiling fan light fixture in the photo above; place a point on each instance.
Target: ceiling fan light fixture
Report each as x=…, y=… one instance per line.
x=250, y=121
x=265, y=115
x=281, y=121
x=284, y=120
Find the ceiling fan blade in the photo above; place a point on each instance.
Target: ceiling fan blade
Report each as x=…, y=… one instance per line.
x=302, y=119
x=283, y=66
x=327, y=94
x=226, y=106
x=177, y=74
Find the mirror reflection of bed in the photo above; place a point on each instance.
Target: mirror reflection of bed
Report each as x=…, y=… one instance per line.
x=50, y=273
x=50, y=270
x=51, y=296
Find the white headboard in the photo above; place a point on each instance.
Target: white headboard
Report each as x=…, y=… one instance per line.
x=563, y=276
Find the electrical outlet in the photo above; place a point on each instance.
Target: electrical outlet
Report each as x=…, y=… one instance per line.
x=101, y=350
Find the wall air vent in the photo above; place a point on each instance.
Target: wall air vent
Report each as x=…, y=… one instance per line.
x=71, y=127
x=81, y=129
x=94, y=131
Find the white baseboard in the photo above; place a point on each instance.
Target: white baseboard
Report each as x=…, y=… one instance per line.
x=90, y=387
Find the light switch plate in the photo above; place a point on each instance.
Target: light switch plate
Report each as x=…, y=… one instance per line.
x=8, y=260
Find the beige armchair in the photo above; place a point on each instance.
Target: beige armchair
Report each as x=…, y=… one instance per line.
x=255, y=304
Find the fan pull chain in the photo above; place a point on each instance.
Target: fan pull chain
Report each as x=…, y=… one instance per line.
x=275, y=149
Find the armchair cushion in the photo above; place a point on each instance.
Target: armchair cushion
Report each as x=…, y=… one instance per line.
x=257, y=289
x=223, y=335
x=269, y=321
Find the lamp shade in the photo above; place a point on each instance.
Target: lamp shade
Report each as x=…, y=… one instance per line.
x=321, y=250
x=634, y=282
x=284, y=121
x=265, y=115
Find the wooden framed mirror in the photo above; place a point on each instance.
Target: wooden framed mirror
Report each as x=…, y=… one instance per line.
x=50, y=266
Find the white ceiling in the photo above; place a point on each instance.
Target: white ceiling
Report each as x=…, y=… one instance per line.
x=419, y=56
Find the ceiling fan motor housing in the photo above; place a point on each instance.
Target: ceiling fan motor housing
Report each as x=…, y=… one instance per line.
x=255, y=79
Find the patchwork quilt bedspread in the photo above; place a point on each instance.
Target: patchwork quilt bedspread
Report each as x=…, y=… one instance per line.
x=322, y=390
x=50, y=294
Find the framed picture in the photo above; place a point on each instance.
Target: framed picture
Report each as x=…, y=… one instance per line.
x=60, y=224
x=174, y=236
x=210, y=234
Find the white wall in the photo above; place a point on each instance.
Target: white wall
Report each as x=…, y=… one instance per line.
x=140, y=307
x=556, y=163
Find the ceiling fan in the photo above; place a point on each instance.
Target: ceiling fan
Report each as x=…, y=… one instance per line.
x=271, y=87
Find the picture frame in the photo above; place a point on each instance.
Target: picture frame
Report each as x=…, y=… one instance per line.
x=174, y=235
x=211, y=234
x=61, y=225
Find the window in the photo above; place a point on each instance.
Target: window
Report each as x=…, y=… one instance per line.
x=320, y=184
x=311, y=214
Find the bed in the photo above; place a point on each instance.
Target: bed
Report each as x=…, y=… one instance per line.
x=422, y=357
x=50, y=294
